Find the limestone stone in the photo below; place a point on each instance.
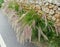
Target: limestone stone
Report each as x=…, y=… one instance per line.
x=51, y=12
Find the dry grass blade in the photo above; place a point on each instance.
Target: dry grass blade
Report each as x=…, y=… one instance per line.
x=41, y=32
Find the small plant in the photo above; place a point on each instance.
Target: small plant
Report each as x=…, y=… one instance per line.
x=40, y=26
x=43, y=29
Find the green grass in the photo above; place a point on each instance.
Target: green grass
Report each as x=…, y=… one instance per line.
x=1, y=1
x=14, y=5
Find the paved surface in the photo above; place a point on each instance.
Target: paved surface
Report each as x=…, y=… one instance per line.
x=8, y=33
